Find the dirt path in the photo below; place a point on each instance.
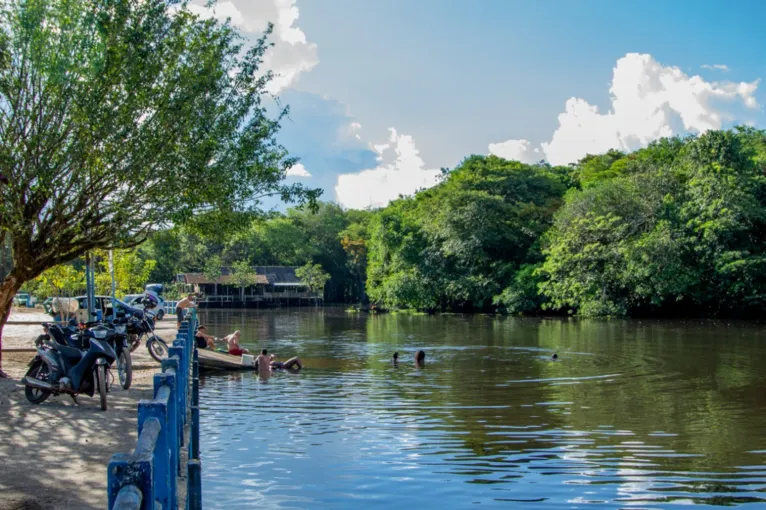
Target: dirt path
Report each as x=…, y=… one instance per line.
x=55, y=455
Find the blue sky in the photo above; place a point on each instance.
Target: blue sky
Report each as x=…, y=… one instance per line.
x=537, y=79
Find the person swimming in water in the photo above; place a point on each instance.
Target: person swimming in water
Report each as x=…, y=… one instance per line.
x=395, y=359
x=555, y=356
x=420, y=359
x=292, y=363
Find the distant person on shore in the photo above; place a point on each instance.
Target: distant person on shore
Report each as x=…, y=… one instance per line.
x=395, y=359
x=204, y=341
x=420, y=359
x=181, y=306
x=294, y=362
x=232, y=342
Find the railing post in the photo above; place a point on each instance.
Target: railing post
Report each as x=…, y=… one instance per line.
x=194, y=429
x=169, y=379
x=194, y=485
x=125, y=470
x=155, y=409
x=182, y=380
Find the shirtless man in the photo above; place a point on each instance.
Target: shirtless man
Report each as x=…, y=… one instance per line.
x=233, y=344
x=263, y=362
x=203, y=339
x=181, y=306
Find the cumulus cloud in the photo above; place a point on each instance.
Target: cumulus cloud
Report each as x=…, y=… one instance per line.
x=518, y=150
x=716, y=67
x=298, y=170
x=648, y=101
x=291, y=55
x=404, y=174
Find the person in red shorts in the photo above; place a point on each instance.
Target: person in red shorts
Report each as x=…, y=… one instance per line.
x=233, y=343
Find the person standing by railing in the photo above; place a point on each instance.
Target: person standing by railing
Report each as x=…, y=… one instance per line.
x=181, y=306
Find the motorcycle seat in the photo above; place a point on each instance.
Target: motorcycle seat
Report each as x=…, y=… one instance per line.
x=68, y=352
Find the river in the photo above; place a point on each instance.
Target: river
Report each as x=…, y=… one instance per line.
x=633, y=414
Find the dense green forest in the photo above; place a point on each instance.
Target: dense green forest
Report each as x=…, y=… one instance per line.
x=674, y=229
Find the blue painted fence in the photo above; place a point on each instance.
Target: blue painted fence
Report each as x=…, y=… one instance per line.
x=148, y=478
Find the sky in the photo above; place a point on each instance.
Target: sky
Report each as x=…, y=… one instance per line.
x=384, y=93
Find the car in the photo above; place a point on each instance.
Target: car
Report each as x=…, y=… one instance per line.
x=136, y=301
x=23, y=299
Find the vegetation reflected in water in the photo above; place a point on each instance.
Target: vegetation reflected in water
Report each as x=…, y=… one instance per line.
x=633, y=413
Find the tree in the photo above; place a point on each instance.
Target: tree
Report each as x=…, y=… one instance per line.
x=131, y=272
x=118, y=118
x=242, y=276
x=212, y=270
x=313, y=276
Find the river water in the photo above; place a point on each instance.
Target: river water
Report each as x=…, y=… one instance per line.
x=633, y=414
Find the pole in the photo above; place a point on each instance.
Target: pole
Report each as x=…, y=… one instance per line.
x=90, y=284
x=111, y=271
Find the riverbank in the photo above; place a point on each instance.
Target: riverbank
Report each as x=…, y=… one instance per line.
x=55, y=455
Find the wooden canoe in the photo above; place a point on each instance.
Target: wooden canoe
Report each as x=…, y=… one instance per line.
x=211, y=360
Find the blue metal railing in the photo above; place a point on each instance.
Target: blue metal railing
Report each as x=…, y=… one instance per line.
x=148, y=477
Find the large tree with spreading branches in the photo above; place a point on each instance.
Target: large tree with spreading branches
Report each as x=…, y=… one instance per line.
x=120, y=117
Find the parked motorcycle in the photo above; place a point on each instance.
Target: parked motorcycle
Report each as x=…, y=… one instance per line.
x=61, y=368
x=140, y=326
x=118, y=340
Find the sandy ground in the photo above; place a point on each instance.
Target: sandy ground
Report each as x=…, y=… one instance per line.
x=55, y=455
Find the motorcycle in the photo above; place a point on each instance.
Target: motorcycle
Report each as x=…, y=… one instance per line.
x=140, y=325
x=118, y=339
x=58, y=368
x=61, y=334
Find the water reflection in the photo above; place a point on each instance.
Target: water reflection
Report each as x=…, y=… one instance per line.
x=633, y=414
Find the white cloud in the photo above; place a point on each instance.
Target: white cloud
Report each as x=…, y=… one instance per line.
x=298, y=170
x=518, y=150
x=716, y=67
x=403, y=175
x=647, y=101
x=291, y=54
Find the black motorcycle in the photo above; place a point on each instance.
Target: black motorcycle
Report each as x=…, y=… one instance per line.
x=61, y=368
x=116, y=337
x=140, y=326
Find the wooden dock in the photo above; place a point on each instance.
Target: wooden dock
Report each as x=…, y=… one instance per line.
x=218, y=361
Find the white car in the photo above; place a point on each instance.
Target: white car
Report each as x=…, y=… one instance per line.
x=136, y=301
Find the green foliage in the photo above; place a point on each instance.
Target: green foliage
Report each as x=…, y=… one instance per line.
x=681, y=234
x=458, y=245
x=212, y=268
x=242, y=276
x=313, y=275
x=120, y=118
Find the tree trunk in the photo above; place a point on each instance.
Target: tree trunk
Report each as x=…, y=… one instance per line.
x=10, y=286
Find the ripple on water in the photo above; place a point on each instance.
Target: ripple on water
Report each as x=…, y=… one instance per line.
x=490, y=423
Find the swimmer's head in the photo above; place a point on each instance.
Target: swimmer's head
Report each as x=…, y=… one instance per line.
x=420, y=357
x=555, y=356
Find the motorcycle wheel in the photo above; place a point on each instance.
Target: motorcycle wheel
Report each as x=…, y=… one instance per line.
x=101, y=381
x=134, y=342
x=37, y=371
x=125, y=369
x=158, y=349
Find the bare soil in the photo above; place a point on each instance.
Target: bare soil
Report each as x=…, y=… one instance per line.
x=55, y=455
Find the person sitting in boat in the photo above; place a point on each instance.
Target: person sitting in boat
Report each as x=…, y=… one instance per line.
x=233, y=343
x=204, y=341
x=292, y=363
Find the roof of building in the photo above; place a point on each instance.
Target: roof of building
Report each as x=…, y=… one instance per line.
x=283, y=276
